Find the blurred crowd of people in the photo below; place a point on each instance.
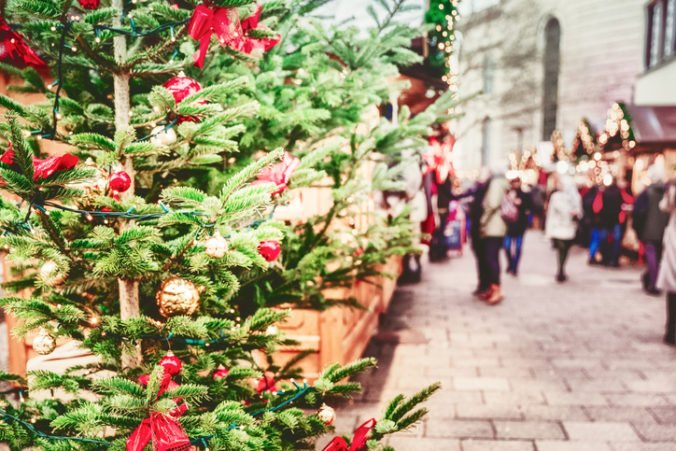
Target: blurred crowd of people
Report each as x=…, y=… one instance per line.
x=494, y=212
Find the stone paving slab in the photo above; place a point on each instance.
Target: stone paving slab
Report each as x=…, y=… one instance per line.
x=572, y=367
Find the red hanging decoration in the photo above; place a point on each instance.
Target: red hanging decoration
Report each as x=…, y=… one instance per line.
x=181, y=87
x=42, y=169
x=266, y=383
x=119, y=181
x=90, y=4
x=15, y=51
x=164, y=431
x=279, y=173
x=225, y=24
x=358, y=439
x=221, y=373
x=171, y=363
x=208, y=20
x=269, y=250
x=257, y=46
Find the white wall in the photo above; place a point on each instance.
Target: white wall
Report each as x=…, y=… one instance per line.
x=657, y=87
x=601, y=57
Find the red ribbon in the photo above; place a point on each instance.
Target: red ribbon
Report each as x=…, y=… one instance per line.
x=280, y=173
x=43, y=169
x=165, y=431
x=223, y=22
x=358, y=440
x=15, y=51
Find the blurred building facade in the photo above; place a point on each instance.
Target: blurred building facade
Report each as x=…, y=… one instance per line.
x=657, y=84
x=542, y=65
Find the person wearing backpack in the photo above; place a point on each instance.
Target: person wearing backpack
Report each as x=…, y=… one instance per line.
x=649, y=222
x=493, y=229
x=563, y=212
x=516, y=225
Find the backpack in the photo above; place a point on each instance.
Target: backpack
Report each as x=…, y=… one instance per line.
x=509, y=211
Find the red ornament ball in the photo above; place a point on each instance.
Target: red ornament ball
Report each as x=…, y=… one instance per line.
x=90, y=4
x=171, y=364
x=266, y=383
x=182, y=87
x=269, y=250
x=221, y=373
x=119, y=181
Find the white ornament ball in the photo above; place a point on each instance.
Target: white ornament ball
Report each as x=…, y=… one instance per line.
x=326, y=414
x=216, y=246
x=44, y=343
x=163, y=137
x=272, y=330
x=51, y=275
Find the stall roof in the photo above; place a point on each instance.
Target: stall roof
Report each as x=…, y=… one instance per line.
x=653, y=126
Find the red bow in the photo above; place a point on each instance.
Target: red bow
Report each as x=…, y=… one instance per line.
x=223, y=22
x=165, y=431
x=15, y=51
x=279, y=173
x=42, y=169
x=358, y=440
x=256, y=45
x=266, y=383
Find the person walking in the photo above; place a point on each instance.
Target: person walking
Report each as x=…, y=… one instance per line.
x=513, y=242
x=611, y=226
x=592, y=204
x=493, y=229
x=475, y=212
x=649, y=222
x=565, y=208
x=666, y=279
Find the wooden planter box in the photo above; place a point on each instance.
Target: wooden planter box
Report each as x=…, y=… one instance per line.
x=338, y=334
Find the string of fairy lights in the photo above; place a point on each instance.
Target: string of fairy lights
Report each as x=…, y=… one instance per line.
x=134, y=32
x=443, y=14
x=65, y=27
x=201, y=441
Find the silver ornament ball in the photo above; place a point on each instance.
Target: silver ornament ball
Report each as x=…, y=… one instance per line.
x=44, y=343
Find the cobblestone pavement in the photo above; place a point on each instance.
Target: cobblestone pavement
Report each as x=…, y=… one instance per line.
x=578, y=366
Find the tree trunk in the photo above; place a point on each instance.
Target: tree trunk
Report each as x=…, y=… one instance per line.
x=128, y=289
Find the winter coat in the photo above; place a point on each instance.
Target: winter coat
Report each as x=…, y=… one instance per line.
x=612, y=206
x=492, y=224
x=563, y=209
x=666, y=280
x=649, y=220
x=519, y=227
x=590, y=218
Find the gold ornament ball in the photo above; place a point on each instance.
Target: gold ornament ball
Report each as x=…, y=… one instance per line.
x=326, y=414
x=177, y=297
x=216, y=246
x=44, y=343
x=49, y=273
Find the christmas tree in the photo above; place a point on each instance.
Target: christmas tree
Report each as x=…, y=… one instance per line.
x=139, y=215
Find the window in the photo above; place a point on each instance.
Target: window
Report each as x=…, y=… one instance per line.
x=550, y=91
x=489, y=75
x=661, y=32
x=485, y=141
